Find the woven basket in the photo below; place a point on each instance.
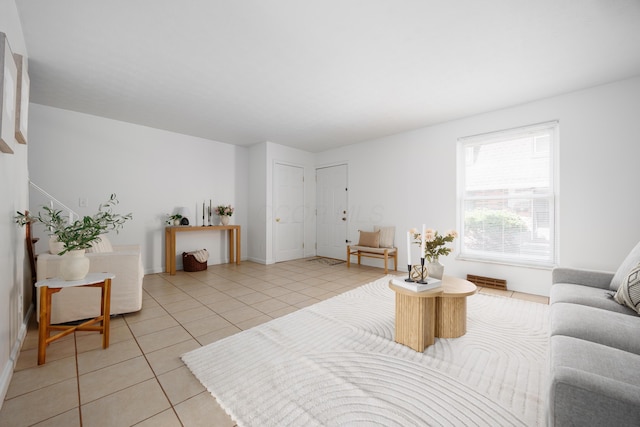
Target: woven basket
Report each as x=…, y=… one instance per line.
x=189, y=263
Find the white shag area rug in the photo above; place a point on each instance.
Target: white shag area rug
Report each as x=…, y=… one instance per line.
x=335, y=364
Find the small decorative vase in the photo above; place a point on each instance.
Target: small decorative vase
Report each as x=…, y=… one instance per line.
x=176, y=221
x=74, y=265
x=436, y=270
x=224, y=219
x=55, y=247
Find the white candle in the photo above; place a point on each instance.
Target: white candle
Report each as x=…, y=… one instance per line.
x=424, y=241
x=408, y=248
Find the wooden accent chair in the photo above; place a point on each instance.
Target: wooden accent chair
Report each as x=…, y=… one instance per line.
x=30, y=241
x=378, y=243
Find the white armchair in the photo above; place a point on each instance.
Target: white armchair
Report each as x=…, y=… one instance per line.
x=81, y=303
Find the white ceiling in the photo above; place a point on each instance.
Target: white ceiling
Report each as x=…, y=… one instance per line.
x=317, y=74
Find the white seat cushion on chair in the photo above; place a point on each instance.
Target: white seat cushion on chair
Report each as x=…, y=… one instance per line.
x=372, y=250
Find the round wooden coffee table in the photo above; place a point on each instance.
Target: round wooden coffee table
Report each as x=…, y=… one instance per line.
x=440, y=312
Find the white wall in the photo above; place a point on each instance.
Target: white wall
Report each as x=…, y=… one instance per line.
x=263, y=157
x=257, y=226
x=152, y=171
x=15, y=288
x=410, y=178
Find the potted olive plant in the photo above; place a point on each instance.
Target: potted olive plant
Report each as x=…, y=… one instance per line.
x=79, y=234
x=52, y=220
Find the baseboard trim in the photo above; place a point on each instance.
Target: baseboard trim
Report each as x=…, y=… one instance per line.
x=7, y=371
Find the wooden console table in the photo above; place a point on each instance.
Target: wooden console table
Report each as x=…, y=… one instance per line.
x=170, y=243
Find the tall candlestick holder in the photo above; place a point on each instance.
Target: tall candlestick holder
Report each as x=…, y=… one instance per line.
x=409, y=279
x=422, y=281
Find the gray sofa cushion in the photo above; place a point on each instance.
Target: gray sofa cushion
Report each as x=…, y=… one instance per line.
x=596, y=325
x=629, y=262
x=584, y=295
x=592, y=384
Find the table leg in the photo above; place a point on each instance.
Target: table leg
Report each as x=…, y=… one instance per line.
x=451, y=317
x=43, y=325
x=170, y=251
x=106, y=311
x=238, y=240
x=231, y=246
x=166, y=250
x=415, y=321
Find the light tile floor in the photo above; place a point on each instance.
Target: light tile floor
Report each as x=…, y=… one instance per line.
x=140, y=379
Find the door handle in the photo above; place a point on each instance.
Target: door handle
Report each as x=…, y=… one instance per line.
x=344, y=219
x=277, y=219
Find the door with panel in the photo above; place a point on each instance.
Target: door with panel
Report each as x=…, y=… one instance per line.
x=332, y=216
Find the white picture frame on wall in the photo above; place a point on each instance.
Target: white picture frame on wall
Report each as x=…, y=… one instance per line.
x=8, y=79
x=22, y=99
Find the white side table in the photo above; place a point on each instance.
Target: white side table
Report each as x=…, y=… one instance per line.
x=49, y=287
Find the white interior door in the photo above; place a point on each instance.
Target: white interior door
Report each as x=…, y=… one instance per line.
x=331, y=204
x=288, y=212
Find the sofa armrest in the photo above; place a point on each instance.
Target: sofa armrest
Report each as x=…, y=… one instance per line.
x=592, y=278
x=583, y=398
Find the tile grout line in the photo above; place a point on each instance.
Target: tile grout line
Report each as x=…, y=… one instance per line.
x=155, y=375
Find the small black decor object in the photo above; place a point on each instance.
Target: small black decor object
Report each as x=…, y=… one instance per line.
x=422, y=281
x=409, y=279
x=184, y=221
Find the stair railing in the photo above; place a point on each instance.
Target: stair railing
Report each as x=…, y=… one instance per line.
x=53, y=202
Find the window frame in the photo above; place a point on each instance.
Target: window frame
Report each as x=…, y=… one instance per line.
x=464, y=144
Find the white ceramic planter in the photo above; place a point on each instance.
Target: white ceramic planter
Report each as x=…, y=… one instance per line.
x=55, y=247
x=74, y=265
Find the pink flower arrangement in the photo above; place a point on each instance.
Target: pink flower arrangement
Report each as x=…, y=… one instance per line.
x=434, y=242
x=224, y=210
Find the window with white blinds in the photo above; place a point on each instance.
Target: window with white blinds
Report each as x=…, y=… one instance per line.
x=507, y=195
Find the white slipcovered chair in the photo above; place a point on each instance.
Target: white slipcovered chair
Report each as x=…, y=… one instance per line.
x=71, y=304
x=378, y=243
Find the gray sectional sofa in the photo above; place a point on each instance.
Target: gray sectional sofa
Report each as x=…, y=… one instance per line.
x=595, y=349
